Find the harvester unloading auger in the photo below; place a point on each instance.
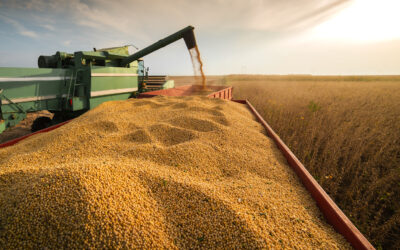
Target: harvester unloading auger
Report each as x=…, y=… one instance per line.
x=70, y=84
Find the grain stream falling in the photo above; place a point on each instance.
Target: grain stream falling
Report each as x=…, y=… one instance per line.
x=166, y=172
x=198, y=65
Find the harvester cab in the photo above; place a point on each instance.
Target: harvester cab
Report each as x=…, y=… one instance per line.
x=69, y=84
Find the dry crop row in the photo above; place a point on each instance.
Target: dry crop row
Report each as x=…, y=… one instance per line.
x=346, y=130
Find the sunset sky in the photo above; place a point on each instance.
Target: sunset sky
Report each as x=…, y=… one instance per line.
x=234, y=36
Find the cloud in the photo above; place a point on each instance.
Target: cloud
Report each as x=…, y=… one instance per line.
x=19, y=27
x=264, y=35
x=39, y=5
x=316, y=15
x=67, y=43
x=28, y=33
x=48, y=27
x=135, y=18
x=269, y=15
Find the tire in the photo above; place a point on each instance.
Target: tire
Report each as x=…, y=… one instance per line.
x=41, y=123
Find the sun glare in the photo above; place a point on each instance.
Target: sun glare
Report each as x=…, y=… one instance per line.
x=363, y=21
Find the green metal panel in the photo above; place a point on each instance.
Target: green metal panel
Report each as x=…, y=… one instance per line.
x=28, y=90
x=169, y=84
x=31, y=72
x=96, y=101
x=2, y=125
x=25, y=85
x=79, y=88
x=79, y=103
x=33, y=106
x=112, y=83
x=123, y=50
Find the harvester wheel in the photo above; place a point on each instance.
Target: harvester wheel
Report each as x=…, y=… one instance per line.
x=41, y=123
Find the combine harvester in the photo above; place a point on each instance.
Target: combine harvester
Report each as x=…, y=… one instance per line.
x=70, y=84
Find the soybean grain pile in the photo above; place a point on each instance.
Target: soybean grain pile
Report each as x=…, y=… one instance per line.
x=166, y=172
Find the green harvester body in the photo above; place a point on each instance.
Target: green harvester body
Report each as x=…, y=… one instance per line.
x=71, y=84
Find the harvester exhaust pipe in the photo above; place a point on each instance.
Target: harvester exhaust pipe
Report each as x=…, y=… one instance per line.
x=187, y=34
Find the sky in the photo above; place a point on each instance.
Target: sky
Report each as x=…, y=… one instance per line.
x=320, y=37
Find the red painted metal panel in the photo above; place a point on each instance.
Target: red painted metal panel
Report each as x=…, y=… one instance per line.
x=331, y=211
x=223, y=94
x=12, y=142
x=187, y=90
